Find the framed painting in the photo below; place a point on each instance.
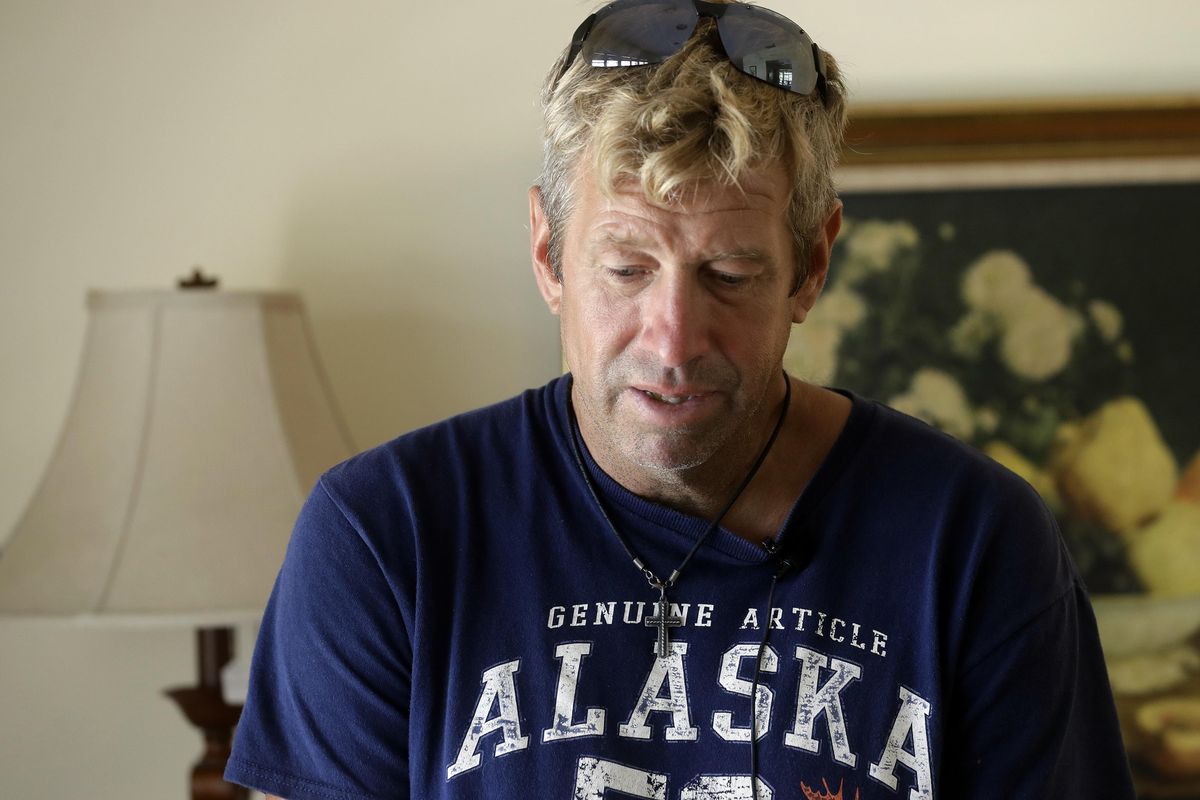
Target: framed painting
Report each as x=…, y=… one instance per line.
x=1028, y=279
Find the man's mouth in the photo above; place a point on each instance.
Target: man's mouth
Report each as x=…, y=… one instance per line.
x=670, y=399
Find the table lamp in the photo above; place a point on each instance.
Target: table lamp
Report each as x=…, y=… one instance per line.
x=200, y=420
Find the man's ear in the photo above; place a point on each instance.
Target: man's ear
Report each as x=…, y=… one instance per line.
x=818, y=265
x=539, y=250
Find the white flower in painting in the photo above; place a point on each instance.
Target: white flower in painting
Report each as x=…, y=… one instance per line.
x=872, y=245
x=1107, y=319
x=1038, y=335
x=996, y=282
x=812, y=351
x=875, y=242
x=947, y=231
x=987, y=420
x=841, y=307
x=1037, y=332
x=936, y=397
x=971, y=333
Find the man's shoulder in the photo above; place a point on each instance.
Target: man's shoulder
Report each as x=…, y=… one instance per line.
x=994, y=539
x=483, y=438
x=981, y=504
x=899, y=443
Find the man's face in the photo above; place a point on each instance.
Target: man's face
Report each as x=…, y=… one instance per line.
x=674, y=319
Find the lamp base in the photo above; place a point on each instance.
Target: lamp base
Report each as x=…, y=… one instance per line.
x=205, y=708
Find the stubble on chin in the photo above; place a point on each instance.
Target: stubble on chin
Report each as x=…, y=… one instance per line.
x=629, y=446
x=666, y=453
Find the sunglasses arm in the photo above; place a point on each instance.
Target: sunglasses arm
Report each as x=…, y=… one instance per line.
x=581, y=34
x=819, y=64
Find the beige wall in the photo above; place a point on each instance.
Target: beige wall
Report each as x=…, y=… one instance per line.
x=358, y=153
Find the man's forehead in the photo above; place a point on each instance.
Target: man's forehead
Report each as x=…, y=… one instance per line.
x=752, y=190
x=617, y=215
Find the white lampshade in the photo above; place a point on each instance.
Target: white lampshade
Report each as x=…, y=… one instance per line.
x=200, y=421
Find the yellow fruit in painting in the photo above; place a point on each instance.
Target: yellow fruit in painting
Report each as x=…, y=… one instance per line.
x=1189, y=485
x=1166, y=553
x=1008, y=456
x=1174, y=725
x=1154, y=671
x=1115, y=467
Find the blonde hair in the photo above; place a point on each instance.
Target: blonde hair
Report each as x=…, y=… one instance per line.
x=695, y=117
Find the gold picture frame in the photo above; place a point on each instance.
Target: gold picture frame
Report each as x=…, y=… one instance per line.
x=1071, y=129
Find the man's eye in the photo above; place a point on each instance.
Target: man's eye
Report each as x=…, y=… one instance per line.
x=729, y=279
x=624, y=273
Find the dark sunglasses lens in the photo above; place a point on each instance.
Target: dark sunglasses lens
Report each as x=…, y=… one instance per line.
x=770, y=47
x=633, y=32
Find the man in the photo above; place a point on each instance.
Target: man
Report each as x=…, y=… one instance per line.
x=679, y=572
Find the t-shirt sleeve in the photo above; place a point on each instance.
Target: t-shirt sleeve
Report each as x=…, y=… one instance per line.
x=327, y=713
x=1031, y=712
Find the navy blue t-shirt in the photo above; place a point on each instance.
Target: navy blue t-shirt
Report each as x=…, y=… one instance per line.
x=454, y=619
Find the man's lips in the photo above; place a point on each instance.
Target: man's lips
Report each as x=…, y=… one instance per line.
x=673, y=407
x=674, y=395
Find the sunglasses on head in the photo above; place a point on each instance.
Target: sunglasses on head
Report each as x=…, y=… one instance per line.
x=759, y=42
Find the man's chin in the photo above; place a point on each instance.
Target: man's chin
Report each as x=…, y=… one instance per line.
x=672, y=453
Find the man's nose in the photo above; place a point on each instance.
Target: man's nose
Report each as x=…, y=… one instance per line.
x=675, y=325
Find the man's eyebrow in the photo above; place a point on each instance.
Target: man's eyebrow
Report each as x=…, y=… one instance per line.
x=619, y=239
x=746, y=254
x=622, y=239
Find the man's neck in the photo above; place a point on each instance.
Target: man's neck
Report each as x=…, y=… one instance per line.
x=814, y=420
x=803, y=445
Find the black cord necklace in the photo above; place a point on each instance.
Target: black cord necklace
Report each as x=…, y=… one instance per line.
x=664, y=620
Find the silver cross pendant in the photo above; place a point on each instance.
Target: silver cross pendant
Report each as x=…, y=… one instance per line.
x=664, y=621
